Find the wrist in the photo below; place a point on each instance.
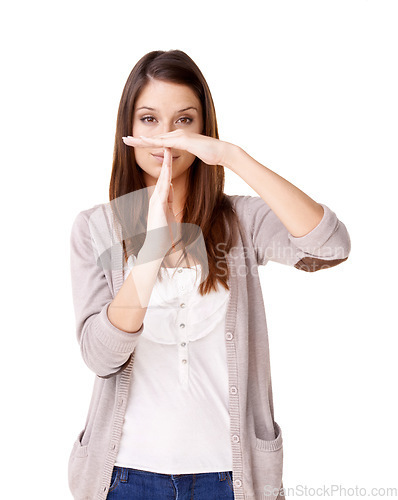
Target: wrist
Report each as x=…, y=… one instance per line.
x=155, y=247
x=229, y=154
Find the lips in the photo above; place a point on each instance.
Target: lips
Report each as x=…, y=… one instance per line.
x=161, y=155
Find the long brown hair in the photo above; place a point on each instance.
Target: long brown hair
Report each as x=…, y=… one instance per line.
x=207, y=207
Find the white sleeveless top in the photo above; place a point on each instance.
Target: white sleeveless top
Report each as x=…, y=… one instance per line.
x=177, y=419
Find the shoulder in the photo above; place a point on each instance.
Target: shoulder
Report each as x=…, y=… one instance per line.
x=89, y=218
x=89, y=212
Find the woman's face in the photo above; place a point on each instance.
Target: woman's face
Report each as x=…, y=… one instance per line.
x=160, y=108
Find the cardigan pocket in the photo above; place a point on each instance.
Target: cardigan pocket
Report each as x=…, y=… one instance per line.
x=272, y=445
x=268, y=465
x=77, y=465
x=79, y=450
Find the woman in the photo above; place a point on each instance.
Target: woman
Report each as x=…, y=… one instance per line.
x=168, y=303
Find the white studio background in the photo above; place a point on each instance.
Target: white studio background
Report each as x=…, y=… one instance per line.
x=307, y=88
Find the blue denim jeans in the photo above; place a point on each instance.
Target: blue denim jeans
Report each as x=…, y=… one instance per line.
x=136, y=484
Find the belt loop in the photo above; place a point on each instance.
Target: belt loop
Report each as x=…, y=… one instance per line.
x=221, y=476
x=124, y=474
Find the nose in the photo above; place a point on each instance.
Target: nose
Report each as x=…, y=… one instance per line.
x=164, y=129
x=167, y=127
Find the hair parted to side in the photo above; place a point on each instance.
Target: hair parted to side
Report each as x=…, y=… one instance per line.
x=206, y=206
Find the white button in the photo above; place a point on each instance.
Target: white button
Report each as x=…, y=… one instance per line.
x=182, y=325
x=182, y=305
x=183, y=344
x=184, y=360
x=180, y=270
x=233, y=389
x=235, y=438
x=238, y=483
x=229, y=336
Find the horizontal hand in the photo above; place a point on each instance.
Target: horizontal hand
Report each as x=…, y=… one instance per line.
x=208, y=149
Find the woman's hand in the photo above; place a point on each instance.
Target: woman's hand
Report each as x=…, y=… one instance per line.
x=162, y=227
x=208, y=149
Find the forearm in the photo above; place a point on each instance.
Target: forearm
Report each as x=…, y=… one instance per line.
x=297, y=211
x=128, y=308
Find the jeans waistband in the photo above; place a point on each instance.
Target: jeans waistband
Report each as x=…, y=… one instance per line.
x=124, y=473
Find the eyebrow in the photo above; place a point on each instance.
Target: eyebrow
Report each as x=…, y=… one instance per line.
x=179, y=111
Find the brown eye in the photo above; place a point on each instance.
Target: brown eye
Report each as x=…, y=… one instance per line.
x=143, y=119
x=186, y=118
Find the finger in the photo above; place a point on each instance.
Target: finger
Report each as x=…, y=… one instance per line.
x=168, y=158
x=161, y=179
x=167, y=151
x=154, y=141
x=137, y=142
x=128, y=142
x=164, y=140
x=171, y=197
x=164, y=177
x=131, y=141
x=173, y=139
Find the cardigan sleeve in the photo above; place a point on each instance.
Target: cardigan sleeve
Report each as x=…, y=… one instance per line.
x=327, y=245
x=105, y=349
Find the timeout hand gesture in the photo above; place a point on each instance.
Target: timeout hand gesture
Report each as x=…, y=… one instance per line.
x=208, y=149
x=162, y=226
